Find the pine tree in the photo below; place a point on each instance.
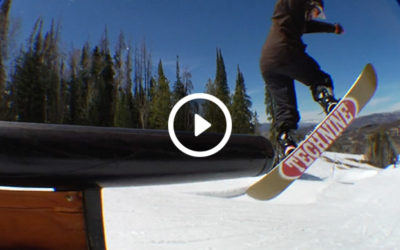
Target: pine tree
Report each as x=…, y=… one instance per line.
x=187, y=81
x=222, y=93
x=256, y=124
x=381, y=151
x=191, y=108
x=74, y=113
x=127, y=114
x=4, y=27
x=29, y=90
x=221, y=82
x=96, y=87
x=208, y=107
x=142, y=82
x=36, y=81
x=178, y=93
x=241, y=107
x=105, y=86
x=161, y=101
x=79, y=82
x=51, y=75
x=131, y=117
x=64, y=95
x=37, y=90
x=85, y=82
x=101, y=94
x=107, y=95
x=179, y=87
x=120, y=100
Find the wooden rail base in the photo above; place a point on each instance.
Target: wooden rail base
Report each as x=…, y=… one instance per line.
x=51, y=220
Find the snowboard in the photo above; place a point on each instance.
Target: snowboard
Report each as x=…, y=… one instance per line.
x=324, y=134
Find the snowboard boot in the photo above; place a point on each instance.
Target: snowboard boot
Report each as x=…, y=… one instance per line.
x=286, y=143
x=324, y=96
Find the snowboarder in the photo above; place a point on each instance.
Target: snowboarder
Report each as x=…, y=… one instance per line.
x=284, y=60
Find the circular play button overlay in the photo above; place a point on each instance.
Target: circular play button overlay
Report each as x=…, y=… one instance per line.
x=200, y=125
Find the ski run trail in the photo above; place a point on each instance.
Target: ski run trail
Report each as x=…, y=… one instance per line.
x=340, y=203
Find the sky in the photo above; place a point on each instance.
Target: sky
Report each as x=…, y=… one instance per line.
x=195, y=29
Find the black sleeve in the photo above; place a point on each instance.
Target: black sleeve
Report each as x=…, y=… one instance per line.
x=316, y=26
x=296, y=6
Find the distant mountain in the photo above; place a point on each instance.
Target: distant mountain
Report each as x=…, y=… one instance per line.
x=355, y=138
x=362, y=121
x=375, y=119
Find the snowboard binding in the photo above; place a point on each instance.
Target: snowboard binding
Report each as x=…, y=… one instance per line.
x=286, y=144
x=324, y=96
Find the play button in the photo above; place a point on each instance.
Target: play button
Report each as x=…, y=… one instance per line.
x=200, y=125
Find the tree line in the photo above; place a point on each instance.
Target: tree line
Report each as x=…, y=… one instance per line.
x=95, y=86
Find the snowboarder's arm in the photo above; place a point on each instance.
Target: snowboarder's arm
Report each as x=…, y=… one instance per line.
x=317, y=26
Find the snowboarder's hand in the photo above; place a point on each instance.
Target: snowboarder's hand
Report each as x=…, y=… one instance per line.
x=338, y=29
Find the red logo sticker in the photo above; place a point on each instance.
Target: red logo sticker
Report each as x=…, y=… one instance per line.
x=319, y=140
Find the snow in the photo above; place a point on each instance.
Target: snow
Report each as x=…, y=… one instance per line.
x=341, y=203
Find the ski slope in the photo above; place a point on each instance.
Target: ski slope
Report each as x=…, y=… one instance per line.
x=339, y=204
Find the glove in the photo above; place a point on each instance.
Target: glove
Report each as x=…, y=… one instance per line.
x=338, y=29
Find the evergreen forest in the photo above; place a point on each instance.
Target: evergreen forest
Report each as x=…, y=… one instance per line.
x=112, y=85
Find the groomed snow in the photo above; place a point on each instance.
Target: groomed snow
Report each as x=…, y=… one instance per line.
x=339, y=204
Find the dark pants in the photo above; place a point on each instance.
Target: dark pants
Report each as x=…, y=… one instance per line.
x=279, y=78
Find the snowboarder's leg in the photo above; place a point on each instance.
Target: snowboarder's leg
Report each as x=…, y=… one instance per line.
x=283, y=93
x=306, y=70
x=287, y=116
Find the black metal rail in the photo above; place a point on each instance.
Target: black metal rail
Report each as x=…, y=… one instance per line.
x=67, y=157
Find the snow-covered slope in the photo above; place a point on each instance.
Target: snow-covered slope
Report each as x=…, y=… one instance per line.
x=339, y=204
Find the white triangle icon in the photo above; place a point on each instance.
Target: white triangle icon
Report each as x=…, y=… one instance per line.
x=200, y=125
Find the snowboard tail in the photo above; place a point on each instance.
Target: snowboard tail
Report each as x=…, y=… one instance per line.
x=319, y=140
